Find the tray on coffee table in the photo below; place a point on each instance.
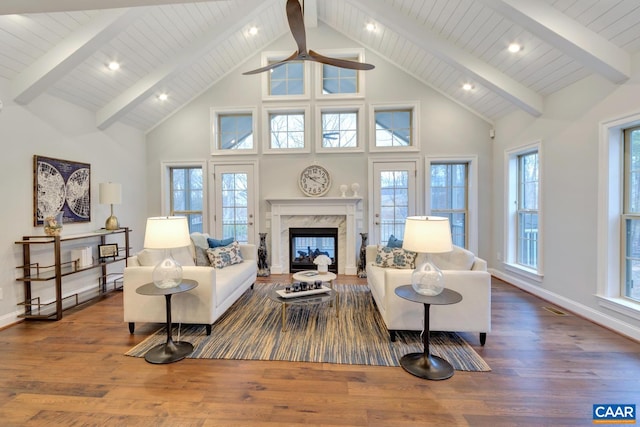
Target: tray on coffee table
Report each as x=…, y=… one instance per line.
x=282, y=293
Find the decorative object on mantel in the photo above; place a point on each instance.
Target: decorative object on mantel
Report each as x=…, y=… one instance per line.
x=362, y=261
x=53, y=224
x=323, y=262
x=355, y=187
x=295, y=16
x=263, y=265
x=111, y=194
x=167, y=232
x=427, y=234
x=343, y=190
x=314, y=180
x=61, y=186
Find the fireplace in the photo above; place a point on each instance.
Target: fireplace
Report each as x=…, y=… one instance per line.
x=305, y=244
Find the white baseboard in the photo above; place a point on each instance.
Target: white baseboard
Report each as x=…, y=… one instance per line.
x=588, y=313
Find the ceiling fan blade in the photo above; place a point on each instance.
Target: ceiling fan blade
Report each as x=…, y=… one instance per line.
x=296, y=24
x=272, y=65
x=342, y=63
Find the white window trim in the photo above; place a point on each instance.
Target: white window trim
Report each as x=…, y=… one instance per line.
x=165, y=180
x=610, y=202
x=215, y=136
x=510, y=205
x=266, y=128
x=358, y=108
x=415, y=131
x=472, y=195
x=267, y=57
x=340, y=53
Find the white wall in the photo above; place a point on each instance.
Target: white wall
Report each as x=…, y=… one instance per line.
x=446, y=128
x=54, y=128
x=569, y=131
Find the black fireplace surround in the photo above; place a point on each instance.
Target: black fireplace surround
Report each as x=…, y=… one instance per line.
x=305, y=244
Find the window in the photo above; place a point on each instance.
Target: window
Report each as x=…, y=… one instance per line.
x=287, y=79
x=631, y=216
x=339, y=80
x=523, y=229
x=285, y=82
x=287, y=130
x=233, y=132
x=187, y=195
x=449, y=197
x=340, y=83
x=527, y=247
x=339, y=129
x=395, y=128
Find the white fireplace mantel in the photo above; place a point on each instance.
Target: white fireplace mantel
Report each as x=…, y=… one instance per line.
x=346, y=207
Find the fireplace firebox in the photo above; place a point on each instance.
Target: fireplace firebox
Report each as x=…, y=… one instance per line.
x=305, y=244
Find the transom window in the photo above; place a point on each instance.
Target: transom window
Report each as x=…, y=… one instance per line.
x=395, y=128
x=187, y=195
x=449, y=197
x=287, y=79
x=286, y=130
x=631, y=215
x=339, y=80
x=340, y=129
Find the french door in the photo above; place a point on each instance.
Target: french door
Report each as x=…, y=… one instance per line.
x=234, y=201
x=393, y=198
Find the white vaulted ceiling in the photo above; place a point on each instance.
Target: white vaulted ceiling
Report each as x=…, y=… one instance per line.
x=61, y=47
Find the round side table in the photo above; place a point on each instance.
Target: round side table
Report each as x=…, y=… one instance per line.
x=171, y=351
x=425, y=365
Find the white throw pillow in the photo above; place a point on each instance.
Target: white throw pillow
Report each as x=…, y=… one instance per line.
x=458, y=259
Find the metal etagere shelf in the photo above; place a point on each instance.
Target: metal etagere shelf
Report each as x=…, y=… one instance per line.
x=34, y=308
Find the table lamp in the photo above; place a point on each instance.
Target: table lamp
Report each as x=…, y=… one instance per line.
x=167, y=232
x=111, y=194
x=427, y=234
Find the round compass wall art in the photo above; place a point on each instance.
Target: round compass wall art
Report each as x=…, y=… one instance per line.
x=61, y=186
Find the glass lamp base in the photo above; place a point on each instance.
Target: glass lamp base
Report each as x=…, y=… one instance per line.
x=167, y=274
x=427, y=279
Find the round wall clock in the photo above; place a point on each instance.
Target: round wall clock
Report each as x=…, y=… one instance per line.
x=314, y=180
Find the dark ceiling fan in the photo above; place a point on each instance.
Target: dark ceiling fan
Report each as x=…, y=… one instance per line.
x=296, y=24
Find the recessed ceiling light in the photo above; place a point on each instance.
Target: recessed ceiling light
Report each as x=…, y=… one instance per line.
x=515, y=48
x=113, y=65
x=371, y=27
x=253, y=31
x=163, y=97
x=467, y=86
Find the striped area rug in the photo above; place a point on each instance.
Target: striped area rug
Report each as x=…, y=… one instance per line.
x=251, y=330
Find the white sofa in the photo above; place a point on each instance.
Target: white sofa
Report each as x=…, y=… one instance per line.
x=217, y=290
x=463, y=273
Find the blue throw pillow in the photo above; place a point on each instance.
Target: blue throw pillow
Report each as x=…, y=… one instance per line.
x=393, y=242
x=215, y=243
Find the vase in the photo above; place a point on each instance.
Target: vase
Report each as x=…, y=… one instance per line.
x=323, y=268
x=53, y=224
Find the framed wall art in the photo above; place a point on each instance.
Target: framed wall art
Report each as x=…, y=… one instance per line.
x=61, y=186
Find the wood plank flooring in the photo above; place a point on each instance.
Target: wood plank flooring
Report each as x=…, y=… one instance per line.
x=548, y=370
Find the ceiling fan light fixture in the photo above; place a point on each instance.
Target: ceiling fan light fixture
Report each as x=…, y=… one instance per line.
x=515, y=47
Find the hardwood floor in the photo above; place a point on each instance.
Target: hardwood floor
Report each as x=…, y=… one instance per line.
x=547, y=369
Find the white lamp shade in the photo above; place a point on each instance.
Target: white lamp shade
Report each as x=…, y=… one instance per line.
x=427, y=234
x=110, y=193
x=166, y=232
